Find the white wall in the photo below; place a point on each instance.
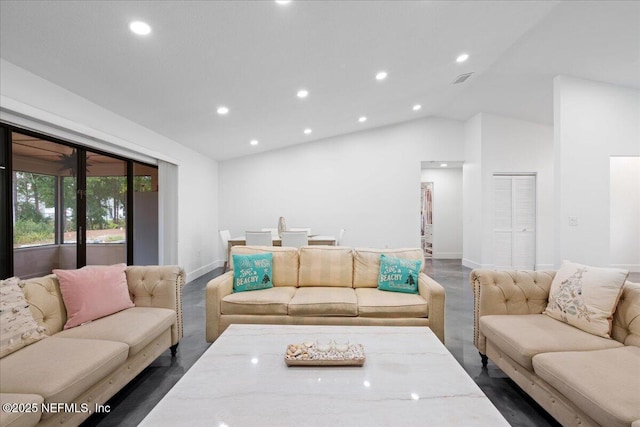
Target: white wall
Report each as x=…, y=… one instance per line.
x=498, y=144
x=472, y=194
x=625, y=211
x=447, y=211
x=28, y=100
x=516, y=146
x=593, y=121
x=366, y=182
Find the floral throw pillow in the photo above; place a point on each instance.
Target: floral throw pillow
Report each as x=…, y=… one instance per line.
x=252, y=272
x=399, y=274
x=17, y=326
x=585, y=296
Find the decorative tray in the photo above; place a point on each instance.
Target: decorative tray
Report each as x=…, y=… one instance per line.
x=309, y=354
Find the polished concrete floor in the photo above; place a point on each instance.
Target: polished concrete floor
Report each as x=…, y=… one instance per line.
x=132, y=404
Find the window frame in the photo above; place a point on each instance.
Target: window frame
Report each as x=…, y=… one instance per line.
x=6, y=214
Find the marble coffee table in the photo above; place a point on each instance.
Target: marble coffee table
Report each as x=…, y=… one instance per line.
x=408, y=379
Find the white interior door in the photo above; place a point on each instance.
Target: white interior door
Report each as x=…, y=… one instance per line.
x=514, y=233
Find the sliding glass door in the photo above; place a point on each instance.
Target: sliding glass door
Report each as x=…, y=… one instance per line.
x=65, y=206
x=145, y=214
x=106, y=209
x=43, y=208
x=5, y=204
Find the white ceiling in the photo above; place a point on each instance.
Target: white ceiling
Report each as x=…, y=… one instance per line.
x=253, y=56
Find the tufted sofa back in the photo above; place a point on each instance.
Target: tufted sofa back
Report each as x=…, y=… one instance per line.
x=527, y=292
x=511, y=291
x=148, y=287
x=158, y=286
x=626, y=318
x=45, y=302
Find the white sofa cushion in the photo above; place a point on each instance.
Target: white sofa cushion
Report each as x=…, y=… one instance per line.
x=605, y=384
x=324, y=301
x=377, y=303
x=60, y=369
x=522, y=336
x=265, y=301
x=149, y=323
x=21, y=418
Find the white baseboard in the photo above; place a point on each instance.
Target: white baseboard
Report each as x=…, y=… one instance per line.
x=471, y=264
x=447, y=255
x=193, y=275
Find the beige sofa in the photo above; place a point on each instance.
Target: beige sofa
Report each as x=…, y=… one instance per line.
x=579, y=378
x=324, y=285
x=86, y=365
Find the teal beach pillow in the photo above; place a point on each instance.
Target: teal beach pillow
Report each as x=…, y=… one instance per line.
x=398, y=274
x=252, y=272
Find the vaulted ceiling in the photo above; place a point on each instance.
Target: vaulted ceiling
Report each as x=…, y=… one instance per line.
x=254, y=56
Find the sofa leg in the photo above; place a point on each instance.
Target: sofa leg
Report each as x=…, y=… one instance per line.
x=174, y=350
x=484, y=358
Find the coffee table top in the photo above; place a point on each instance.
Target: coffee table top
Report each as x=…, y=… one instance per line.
x=409, y=379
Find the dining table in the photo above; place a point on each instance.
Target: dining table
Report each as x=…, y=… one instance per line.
x=313, y=240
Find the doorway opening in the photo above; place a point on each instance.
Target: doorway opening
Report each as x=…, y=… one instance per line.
x=624, y=219
x=426, y=218
x=441, y=209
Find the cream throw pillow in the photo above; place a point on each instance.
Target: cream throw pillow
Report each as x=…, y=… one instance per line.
x=586, y=297
x=17, y=327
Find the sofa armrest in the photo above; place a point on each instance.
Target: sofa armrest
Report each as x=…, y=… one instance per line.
x=158, y=286
x=216, y=289
x=507, y=292
x=433, y=292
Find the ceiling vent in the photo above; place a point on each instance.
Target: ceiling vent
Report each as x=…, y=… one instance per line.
x=462, y=78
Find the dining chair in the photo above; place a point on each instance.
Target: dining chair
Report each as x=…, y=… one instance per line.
x=225, y=236
x=274, y=232
x=258, y=238
x=308, y=230
x=340, y=238
x=295, y=239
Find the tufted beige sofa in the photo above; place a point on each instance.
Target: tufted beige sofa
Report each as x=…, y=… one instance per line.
x=324, y=285
x=88, y=364
x=579, y=378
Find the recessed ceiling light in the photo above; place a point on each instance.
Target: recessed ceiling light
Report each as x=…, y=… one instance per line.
x=140, y=28
x=254, y=142
x=222, y=110
x=462, y=58
x=362, y=119
x=307, y=131
x=303, y=93
x=443, y=165
x=283, y=2
x=417, y=107
x=381, y=75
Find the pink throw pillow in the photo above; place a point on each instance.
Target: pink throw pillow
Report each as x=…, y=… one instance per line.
x=93, y=292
